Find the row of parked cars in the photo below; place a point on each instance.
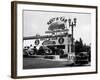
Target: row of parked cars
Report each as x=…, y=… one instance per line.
x=81, y=58
x=43, y=50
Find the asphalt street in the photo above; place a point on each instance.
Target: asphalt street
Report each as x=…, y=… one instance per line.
x=33, y=63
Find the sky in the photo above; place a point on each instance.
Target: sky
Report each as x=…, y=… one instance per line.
x=35, y=22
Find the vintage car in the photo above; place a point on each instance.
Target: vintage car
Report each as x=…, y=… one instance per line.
x=28, y=51
x=43, y=50
x=25, y=51
x=82, y=58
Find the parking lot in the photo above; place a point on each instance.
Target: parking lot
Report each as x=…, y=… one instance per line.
x=33, y=63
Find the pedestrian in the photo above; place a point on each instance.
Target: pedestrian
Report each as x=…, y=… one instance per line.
x=35, y=50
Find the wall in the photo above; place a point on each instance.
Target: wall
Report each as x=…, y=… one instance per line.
x=5, y=40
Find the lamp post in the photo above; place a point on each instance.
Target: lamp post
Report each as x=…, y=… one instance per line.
x=72, y=24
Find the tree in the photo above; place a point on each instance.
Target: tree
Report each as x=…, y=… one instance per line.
x=79, y=45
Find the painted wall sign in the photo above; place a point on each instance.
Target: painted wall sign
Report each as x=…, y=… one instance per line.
x=53, y=38
x=37, y=42
x=61, y=40
x=47, y=42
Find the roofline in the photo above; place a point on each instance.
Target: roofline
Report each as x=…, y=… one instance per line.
x=46, y=36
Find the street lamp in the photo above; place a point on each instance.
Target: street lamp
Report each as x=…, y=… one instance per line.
x=72, y=24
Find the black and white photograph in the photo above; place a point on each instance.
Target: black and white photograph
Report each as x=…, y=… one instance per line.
x=56, y=39
x=53, y=39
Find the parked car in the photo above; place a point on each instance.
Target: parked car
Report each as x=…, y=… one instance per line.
x=28, y=51
x=82, y=58
x=43, y=50
x=25, y=51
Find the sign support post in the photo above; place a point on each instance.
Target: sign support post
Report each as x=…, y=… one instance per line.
x=72, y=24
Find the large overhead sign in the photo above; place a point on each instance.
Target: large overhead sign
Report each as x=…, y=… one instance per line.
x=62, y=19
x=57, y=23
x=56, y=26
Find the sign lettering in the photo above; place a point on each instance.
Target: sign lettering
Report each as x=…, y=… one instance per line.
x=62, y=19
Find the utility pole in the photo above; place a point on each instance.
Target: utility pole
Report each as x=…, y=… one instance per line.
x=72, y=24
